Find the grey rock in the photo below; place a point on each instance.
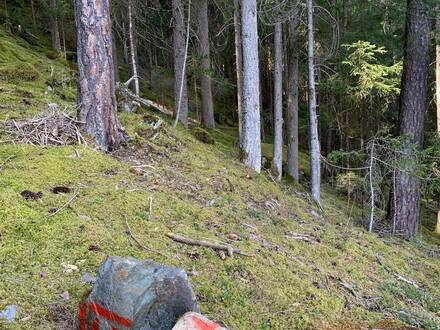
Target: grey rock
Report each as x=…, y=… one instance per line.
x=9, y=313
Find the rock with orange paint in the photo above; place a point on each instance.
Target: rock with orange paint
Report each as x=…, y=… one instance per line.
x=195, y=321
x=133, y=294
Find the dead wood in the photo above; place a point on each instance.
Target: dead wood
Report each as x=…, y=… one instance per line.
x=146, y=248
x=219, y=247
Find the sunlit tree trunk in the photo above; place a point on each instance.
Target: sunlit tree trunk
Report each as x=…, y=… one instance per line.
x=96, y=90
x=277, y=166
x=315, y=154
x=206, y=90
x=133, y=48
x=239, y=66
x=179, y=49
x=251, y=140
x=437, y=86
x=413, y=103
x=293, y=105
x=54, y=28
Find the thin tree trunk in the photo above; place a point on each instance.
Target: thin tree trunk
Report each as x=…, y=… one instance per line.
x=277, y=166
x=251, y=140
x=293, y=101
x=239, y=66
x=345, y=9
x=205, y=83
x=133, y=48
x=34, y=21
x=96, y=89
x=413, y=102
x=115, y=58
x=315, y=154
x=54, y=29
x=437, y=86
x=179, y=48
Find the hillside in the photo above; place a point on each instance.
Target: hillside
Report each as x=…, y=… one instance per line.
x=310, y=269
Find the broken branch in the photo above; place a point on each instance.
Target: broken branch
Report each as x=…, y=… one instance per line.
x=65, y=205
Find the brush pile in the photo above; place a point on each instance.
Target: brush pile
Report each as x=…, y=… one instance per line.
x=50, y=128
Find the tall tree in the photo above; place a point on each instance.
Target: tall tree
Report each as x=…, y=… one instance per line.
x=251, y=140
x=277, y=166
x=293, y=99
x=54, y=27
x=206, y=89
x=96, y=88
x=413, y=103
x=133, y=47
x=179, y=50
x=315, y=153
x=437, y=86
x=238, y=66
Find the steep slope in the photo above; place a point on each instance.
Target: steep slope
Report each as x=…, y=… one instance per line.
x=310, y=269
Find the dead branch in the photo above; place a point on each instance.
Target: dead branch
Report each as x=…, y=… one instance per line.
x=65, y=205
x=407, y=281
x=7, y=161
x=130, y=233
x=219, y=247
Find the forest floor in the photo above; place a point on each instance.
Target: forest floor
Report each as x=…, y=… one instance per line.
x=310, y=269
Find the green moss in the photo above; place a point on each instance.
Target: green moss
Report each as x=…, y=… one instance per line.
x=18, y=72
x=203, y=135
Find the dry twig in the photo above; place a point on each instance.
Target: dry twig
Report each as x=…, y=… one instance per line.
x=130, y=232
x=65, y=205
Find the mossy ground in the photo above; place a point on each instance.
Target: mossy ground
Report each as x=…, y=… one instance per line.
x=344, y=278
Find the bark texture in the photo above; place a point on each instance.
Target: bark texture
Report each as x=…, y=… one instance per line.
x=54, y=27
x=96, y=88
x=277, y=166
x=205, y=83
x=413, y=102
x=251, y=143
x=179, y=49
x=315, y=153
x=238, y=66
x=437, y=86
x=293, y=105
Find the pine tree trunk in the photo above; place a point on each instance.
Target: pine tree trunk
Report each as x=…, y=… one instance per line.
x=345, y=9
x=413, y=103
x=205, y=84
x=251, y=140
x=437, y=86
x=34, y=21
x=239, y=66
x=277, y=166
x=54, y=29
x=115, y=58
x=96, y=89
x=179, y=48
x=315, y=154
x=133, y=48
x=293, y=101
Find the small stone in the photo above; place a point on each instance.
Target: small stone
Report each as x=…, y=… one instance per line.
x=195, y=321
x=87, y=278
x=65, y=295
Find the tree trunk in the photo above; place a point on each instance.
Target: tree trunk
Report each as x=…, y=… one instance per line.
x=251, y=142
x=437, y=86
x=315, y=154
x=277, y=166
x=293, y=103
x=413, y=102
x=54, y=29
x=133, y=48
x=34, y=21
x=115, y=58
x=179, y=48
x=239, y=66
x=96, y=89
x=346, y=11
x=205, y=84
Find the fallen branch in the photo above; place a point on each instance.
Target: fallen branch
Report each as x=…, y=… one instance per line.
x=65, y=205
x=219, y=247
x=407, y=281
x=7, y=161
x=129, y=232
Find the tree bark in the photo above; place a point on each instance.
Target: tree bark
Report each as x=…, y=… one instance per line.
x=345, y=9
x=239, y=67
x=251, y=141
x=133, y=48
x=115, y=59
x=34, y=21
x=96, y=89
x=437, y=87
x=277, y=166
x=54, y=28
x=179, y=49
x=315, y=154
x=413, y=102
x=205, y=83
x=293, y=101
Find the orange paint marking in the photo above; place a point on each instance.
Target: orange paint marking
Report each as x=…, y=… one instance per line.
x=204, y=325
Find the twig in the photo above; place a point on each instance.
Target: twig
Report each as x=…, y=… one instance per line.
x=231, y=250
x=65, y=205
x=150, y=208
x=407, y=281
x=7, y=161
x=138, y=242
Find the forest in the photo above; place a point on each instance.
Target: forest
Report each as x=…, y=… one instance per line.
x=284, y=153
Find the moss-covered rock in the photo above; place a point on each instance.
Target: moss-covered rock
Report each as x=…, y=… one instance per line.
x=17, y=72
x=203, y=135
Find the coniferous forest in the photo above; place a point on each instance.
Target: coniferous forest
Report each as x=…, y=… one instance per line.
x=284, y=153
